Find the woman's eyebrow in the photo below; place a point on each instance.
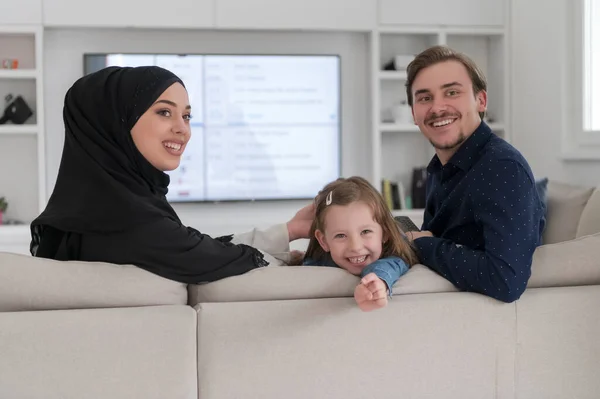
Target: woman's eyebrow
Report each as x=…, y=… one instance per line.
x=171, y=103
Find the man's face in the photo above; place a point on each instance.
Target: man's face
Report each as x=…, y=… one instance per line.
x=444, y=106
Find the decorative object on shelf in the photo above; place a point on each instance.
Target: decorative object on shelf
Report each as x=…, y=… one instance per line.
x=398, y=63
x=10, y=63
x=393, y=194
x=3, y=206
x=419, y=180
x=401, y=113
x=17, y=111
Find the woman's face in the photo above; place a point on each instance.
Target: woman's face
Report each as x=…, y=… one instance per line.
x=163, y=131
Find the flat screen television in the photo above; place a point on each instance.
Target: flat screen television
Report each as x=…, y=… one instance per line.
x=264, y=127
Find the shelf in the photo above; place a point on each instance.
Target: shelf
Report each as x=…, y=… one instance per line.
x=18, y=74
x=392, y=75
x=409, y=128
x=408, y=212
x=398, y=128
x=16, y=130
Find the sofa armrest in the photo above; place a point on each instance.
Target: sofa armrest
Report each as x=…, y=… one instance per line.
x=569, y=263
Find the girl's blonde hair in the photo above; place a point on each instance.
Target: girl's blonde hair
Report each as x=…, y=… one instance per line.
x=345, y=191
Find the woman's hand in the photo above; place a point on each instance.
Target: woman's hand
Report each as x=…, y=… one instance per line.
x=299, y=225
x=296, y=258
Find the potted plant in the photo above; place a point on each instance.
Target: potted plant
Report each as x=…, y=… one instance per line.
x=3, y=206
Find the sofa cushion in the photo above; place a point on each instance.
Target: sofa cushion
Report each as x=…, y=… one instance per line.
x=569, y=263
x=447, y=345
x=145, y=352
x=558, y=350
x=542, y=188
x=28, y=283
x=590, y=217
x=304, y=282
x=565, y=206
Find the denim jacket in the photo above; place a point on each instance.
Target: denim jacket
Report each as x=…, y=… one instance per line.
x=388, y=269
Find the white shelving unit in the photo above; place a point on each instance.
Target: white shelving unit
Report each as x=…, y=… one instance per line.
x=398, y=146
x=22, y=147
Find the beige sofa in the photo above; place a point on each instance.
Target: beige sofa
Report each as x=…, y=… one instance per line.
x=87, y=330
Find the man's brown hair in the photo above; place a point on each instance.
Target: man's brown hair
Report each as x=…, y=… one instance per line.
x=437, y=54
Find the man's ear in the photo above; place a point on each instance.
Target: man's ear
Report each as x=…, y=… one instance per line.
x=322, y=241
x=481, y=101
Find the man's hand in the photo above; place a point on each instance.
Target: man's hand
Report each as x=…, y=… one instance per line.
x=413, y=235
x=371, y=293
x=299, y=225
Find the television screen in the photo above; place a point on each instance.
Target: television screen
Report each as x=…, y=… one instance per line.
x=263, y=126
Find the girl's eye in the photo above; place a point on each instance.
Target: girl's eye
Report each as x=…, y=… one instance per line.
x=339, y=236
x=164, y=112
x=366, y=231
x=187, y=117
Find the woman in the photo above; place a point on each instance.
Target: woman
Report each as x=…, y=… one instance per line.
x=124, y=128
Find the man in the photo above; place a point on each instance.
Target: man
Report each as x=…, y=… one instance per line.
x=483, y=217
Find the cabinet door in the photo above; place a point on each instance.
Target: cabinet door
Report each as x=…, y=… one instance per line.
x=443, y=12
x=25, y=12
x=347, y=15
x=129, y=13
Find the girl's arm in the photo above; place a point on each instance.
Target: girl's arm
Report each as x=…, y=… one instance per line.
x=387, y=269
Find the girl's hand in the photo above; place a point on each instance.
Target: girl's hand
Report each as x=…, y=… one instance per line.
x=371, y=293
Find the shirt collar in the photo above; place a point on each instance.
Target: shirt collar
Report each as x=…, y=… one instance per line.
x=467, y=154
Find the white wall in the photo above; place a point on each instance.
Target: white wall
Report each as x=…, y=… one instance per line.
x=540, y=41
x=63, y=59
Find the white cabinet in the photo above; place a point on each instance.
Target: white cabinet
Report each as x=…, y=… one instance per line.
x=442, y=12
x=129, y=13
x=15, y=239
x=22, y=156
x=345, y=15
x=24, y=12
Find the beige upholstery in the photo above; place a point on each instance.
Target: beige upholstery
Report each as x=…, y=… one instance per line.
x=565, y=206
x=590, y=217
x=570, y=263
x=28, y=283
x=146, y=352
x=558, y=341
x=305, y=282
x=420, y=346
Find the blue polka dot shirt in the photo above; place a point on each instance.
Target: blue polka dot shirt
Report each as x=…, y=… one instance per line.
x=486, y=216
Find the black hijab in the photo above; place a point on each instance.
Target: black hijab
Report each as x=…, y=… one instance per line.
x=104, y=183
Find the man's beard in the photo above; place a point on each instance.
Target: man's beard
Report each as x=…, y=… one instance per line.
x=461, y=136
x=461, y=139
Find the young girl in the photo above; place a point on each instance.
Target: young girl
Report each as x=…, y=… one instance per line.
x=354, y=229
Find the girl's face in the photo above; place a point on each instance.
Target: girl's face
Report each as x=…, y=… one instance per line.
x=351, y=235
x=163, y=131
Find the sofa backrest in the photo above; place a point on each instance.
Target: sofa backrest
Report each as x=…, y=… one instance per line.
x=565, y=206
x=29, y=283
x=589, y=222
